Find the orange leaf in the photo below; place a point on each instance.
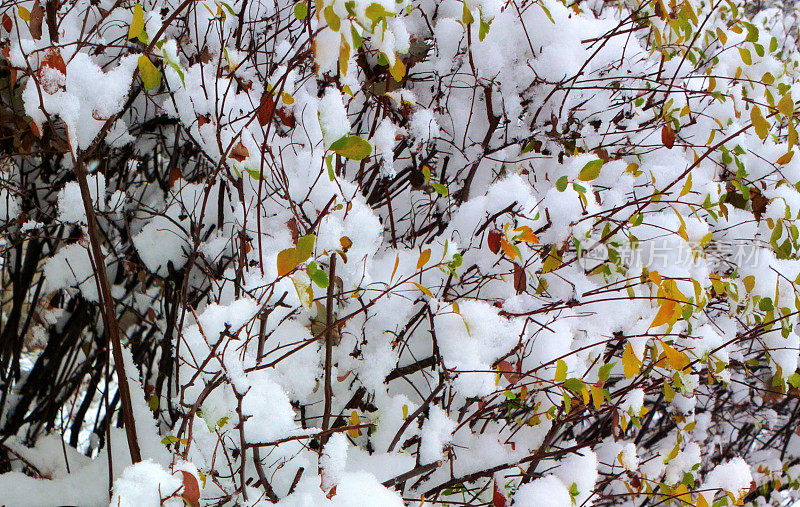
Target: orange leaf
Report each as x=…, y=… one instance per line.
x=508, y=248
x=664, y=313
x=424, y=257
x=528, y=236
x=354, y=421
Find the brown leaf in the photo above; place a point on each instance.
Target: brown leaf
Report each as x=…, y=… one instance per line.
x=202, y=120
x=239, y=152
x=7, y=23
x=520, y=279
x=667, y=136
x=265, y=109
x=493, y=240
x=35, y=23
x=286, y=116
x=191, y=490
x=292, y=225
x=759, y=203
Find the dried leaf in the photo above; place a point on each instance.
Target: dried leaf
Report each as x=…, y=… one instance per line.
x=239, y=152
x=35, y=21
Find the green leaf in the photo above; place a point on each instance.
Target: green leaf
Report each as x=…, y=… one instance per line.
x=137, y=25
x=352, y=147
x=794, y=379
x=440, y=189
x=317, y=275
x=574, y=384
x=153, y=403
x=591, y=170
x=605, y=371
x=466, y=15
x=301, y=10
x=332, y=19
x=305, y=247
x=151, y=76
x=752, y=32
x=358, y=40
x=484, y=29
x=561, y=183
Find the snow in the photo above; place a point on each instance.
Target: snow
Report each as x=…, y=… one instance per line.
x=546, y=490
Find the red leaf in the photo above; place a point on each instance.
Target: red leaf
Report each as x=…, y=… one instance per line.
x=266, y=109
x=331, y=493
x=191, y=490
x=7, y=23
x=174, y=175
x=494, y=240
x=667, y=136
x=202, y=120
x=498, y=498
x=239, y=152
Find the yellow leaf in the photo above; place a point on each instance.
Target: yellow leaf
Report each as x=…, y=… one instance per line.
x=677, y=359
x=786, y=104
x=287, y=98
x=424, y=289
x=654, y=277
x=424, y=257
x=354, y=421
x=552, y=262
x=137, y=25
x=759, y=123
x=287, y=261
x=664, y=313
x=687, y=187
x=630, y=362
x=749, y=283
x=151, y=76
x=561, y=371
x=701, y=501
x=398, y=70
x=597, y=397
x=405, y=412
x=586, y=396
x=24, y=13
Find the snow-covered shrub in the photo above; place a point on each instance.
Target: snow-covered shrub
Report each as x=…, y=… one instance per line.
x=387, y=252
